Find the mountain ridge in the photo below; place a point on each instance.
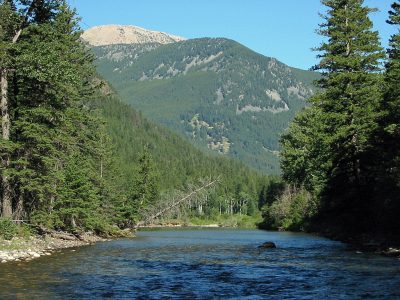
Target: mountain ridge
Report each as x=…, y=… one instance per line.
x=113, y=34
x=219, y=94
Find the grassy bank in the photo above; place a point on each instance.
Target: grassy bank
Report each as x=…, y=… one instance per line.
x=233, y=221
x=241, y=221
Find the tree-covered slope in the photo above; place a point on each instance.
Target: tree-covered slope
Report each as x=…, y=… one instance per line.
x=216, y=92
x=177, y=162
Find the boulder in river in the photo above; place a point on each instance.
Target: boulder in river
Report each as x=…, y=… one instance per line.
x=267, y=245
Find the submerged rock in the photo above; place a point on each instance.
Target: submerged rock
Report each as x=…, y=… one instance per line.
x=267, y=245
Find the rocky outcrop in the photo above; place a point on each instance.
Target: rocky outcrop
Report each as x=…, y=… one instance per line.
x=126, y=34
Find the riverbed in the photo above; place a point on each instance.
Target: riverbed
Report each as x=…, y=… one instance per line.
x=204, y=264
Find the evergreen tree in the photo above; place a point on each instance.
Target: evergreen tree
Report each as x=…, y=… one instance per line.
x=14, y=23
x=388, y=135
x=349, y=103
x=305, y=156
x=55, y=158
x=52, y=81
x=392, y=93
x=77, y=204
x=329, y=147
x=145, y=189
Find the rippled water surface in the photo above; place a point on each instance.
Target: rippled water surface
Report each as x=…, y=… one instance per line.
x=204, y=264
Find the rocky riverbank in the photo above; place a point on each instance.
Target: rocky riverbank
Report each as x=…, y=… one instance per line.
x=26, y=249
x=382, y=247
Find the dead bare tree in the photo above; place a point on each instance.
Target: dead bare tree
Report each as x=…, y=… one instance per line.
x=178, y=203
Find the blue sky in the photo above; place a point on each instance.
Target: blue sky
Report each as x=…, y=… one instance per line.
x=284, y=29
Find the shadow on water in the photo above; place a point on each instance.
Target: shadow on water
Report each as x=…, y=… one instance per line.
x=203, y=264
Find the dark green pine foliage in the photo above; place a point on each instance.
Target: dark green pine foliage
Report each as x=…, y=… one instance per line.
x=328, y=147
x=306, y=158
x=61, y=168
x=79, y=197
x=177, y=163
x=51, y=77
x=143, y=192
x=145, y=187
x=388, y=136
x=29, y=15
x=392, y=75
x=9, y=23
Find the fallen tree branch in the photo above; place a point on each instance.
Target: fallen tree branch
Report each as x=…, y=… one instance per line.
x=176, y=203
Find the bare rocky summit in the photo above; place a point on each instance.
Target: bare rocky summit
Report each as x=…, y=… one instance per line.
x=126, y=34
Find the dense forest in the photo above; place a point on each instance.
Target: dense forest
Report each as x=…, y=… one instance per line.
x=341, y=155
x=74, y=158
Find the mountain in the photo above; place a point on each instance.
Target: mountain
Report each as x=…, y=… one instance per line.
x=214, y=91
x=126, y=34
x=177, y=160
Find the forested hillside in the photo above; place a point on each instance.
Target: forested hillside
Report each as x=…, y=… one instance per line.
x=217, y=93
x=73, y=157
x=176, y=163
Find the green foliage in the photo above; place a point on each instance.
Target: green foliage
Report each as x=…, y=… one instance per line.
x=8, y=229
x=79, y=198
x=305, y=159
x=176, y=164
x=349, y=113
x=387, y=136
x=202, y=88
x=145, y=188
x=292, y=210
x=58, y=142
x=65, y=173
x=237, y=220
x=344, y=148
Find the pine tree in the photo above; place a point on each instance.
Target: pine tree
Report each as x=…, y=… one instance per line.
x=144, y=190
x=388, y=134
x=329, y=147
x=10, y=28
x=55, y=160
x=306, y=157
x=51, y=78
x=350, y=65
x=77, y=205
x=392, y=94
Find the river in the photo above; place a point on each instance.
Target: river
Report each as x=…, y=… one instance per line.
x=204, y=264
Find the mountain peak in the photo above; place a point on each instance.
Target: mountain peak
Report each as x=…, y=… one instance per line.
x=126, y=34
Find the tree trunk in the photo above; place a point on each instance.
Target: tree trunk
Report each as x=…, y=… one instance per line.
x=73, y=222
x=5, y=127
x=19, y=209
x=174, y=204
x=348, y=41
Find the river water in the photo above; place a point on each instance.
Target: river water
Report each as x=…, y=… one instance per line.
x=204, y=264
